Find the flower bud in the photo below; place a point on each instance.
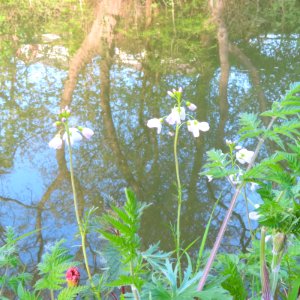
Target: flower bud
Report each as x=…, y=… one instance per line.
x=72, y=277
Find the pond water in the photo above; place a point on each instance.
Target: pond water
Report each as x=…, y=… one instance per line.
x=112, y=63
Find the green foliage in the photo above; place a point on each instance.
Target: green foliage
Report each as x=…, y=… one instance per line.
x=219, y=165
x=234, y=282
x=24, y=294
x=71, y=292
x=10, y=263
x=53, y=267
x=120, y=228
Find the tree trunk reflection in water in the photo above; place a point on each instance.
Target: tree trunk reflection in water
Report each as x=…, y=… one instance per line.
x=217, y=8
x=102, y=28
x=109, y=128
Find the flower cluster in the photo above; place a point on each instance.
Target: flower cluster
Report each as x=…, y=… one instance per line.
x=75, y=133
x=72, y=277
x=178, y=115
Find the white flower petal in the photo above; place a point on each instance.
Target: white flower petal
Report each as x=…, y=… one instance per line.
x=253, y=215
x=191, y=106
x=244, y=156
x=75, y=136
x=155, y=123
x=87, y=133
x=203, y=126
x=56, y=142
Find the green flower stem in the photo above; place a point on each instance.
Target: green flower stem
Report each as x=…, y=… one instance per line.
x=179, y=198
x=133, y=287
x=264, y=276
x=52, y=295
x=278, y=250
x=76, y=207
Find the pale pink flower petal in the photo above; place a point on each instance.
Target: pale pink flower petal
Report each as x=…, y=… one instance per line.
x=191, y=106
x=75, y=136
x=87, y=133
x=56, y=142
x=177, y=114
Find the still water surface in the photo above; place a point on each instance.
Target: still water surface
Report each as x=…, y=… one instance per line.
x=113, y=67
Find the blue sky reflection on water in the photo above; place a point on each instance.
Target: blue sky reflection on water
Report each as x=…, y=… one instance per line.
x=125, y=152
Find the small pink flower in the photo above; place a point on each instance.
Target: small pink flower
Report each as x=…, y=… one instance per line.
x=87, y=133
x=72, y=277
x=56, y=142
x=191, y=106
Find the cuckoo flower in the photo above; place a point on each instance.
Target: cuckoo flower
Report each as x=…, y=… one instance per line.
x=176, y=116
x=191, y=106
x=195, y=127
x=155, y=123
x=244, y=156
x=72, y=277
x=75, y=136
x=56, y=142
x=87, y=132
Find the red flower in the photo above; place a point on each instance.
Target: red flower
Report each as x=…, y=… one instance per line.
x=73, y=277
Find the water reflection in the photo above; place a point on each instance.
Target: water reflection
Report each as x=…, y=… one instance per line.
x=114, y=81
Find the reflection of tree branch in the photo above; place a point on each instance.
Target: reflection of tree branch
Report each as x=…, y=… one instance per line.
x=253, y=73
x=7, y=199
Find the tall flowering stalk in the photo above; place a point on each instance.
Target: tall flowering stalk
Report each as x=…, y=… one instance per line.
x=70, y=136
x=176, y=117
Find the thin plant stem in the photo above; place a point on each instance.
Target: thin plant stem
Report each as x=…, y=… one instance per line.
x=205, y=235
x=76, y=207
x=133, y=287
x=264, y=276
x=222, y=230
x=179, y=199
x=52, y=295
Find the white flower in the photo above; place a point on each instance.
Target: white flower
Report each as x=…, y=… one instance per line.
x=170, y=93
x=244, y=156
x=253, y=215
x=268, y=238
x=56, y=142
x=210, y=178
x=191, y=106
x=229, y=142
x=194, y=126
x=75, y=136
x=238, y=147
x=253, y=186
x=87, y=132
x=234, y=179
x=177, y=114
x=155, y=123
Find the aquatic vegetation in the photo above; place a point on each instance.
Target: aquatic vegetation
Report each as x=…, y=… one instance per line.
x=268, y=270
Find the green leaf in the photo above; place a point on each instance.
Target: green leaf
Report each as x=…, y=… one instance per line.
x=53, y=266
